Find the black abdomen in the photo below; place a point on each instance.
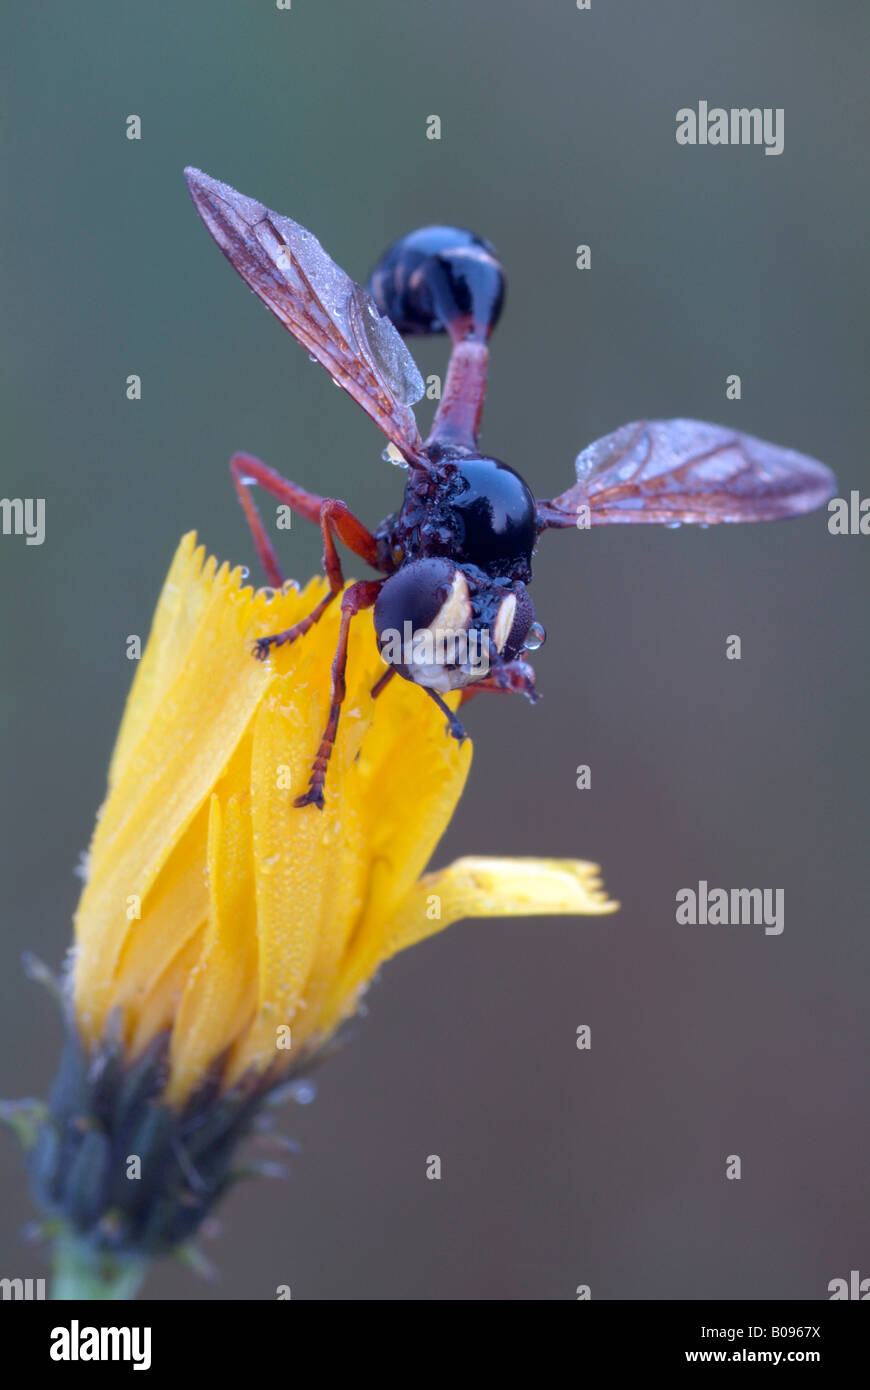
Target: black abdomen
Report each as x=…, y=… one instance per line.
x=440, y=279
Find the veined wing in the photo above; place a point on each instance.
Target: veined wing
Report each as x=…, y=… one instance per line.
x=687, y=471
x=334, y=318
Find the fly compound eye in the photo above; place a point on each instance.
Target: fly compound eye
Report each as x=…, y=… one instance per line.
x=424, y=596
x=492, y=513
x=423, y=620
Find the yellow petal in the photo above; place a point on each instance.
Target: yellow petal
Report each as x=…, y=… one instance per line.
x=171, y=913
x=189, y=718
x=410, y=776
x=496, y=888
x=183, y=599
x=158, y=1012
x=221, y=990
x=290, y=885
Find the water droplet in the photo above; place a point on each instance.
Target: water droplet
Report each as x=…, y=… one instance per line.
x=304, y=1092
x=673, y=525
x=245, y=572
x=247, y=482
x=267, y=593
x=704, y=525
x=535, y=638
x=392, y=359
x=311, y=357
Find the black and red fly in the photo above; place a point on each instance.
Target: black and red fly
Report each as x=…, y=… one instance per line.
x=456, y=558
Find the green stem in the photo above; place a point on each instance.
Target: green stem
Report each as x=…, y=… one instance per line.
x=82, y=1272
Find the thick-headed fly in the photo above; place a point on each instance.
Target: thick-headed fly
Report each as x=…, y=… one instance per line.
x=452, y=610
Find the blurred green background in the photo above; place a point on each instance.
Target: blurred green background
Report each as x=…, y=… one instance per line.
x=560, y=1167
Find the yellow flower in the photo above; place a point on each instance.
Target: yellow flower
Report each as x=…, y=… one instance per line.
x=217, y=911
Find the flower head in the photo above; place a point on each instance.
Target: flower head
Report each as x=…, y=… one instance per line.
x=223, y=933
x=215, y=909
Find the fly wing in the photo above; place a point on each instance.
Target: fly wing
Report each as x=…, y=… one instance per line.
x=685, y=471
x=334, y=318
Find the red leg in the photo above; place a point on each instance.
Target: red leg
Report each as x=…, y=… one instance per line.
x=246, y=470
x=383, y=681
x=359, y=596
x=513, y=678
x=336, y=519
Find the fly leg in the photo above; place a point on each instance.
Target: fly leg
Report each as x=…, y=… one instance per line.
x=358, y=597
x=382, y=682
x=454, y=726
x=247, y=470
x=511, y=678
x=335, y=518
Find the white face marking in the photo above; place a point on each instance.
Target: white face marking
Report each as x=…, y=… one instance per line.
x=461, y=655
x=504, y=621
x=445, y=678
x=454, y=615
